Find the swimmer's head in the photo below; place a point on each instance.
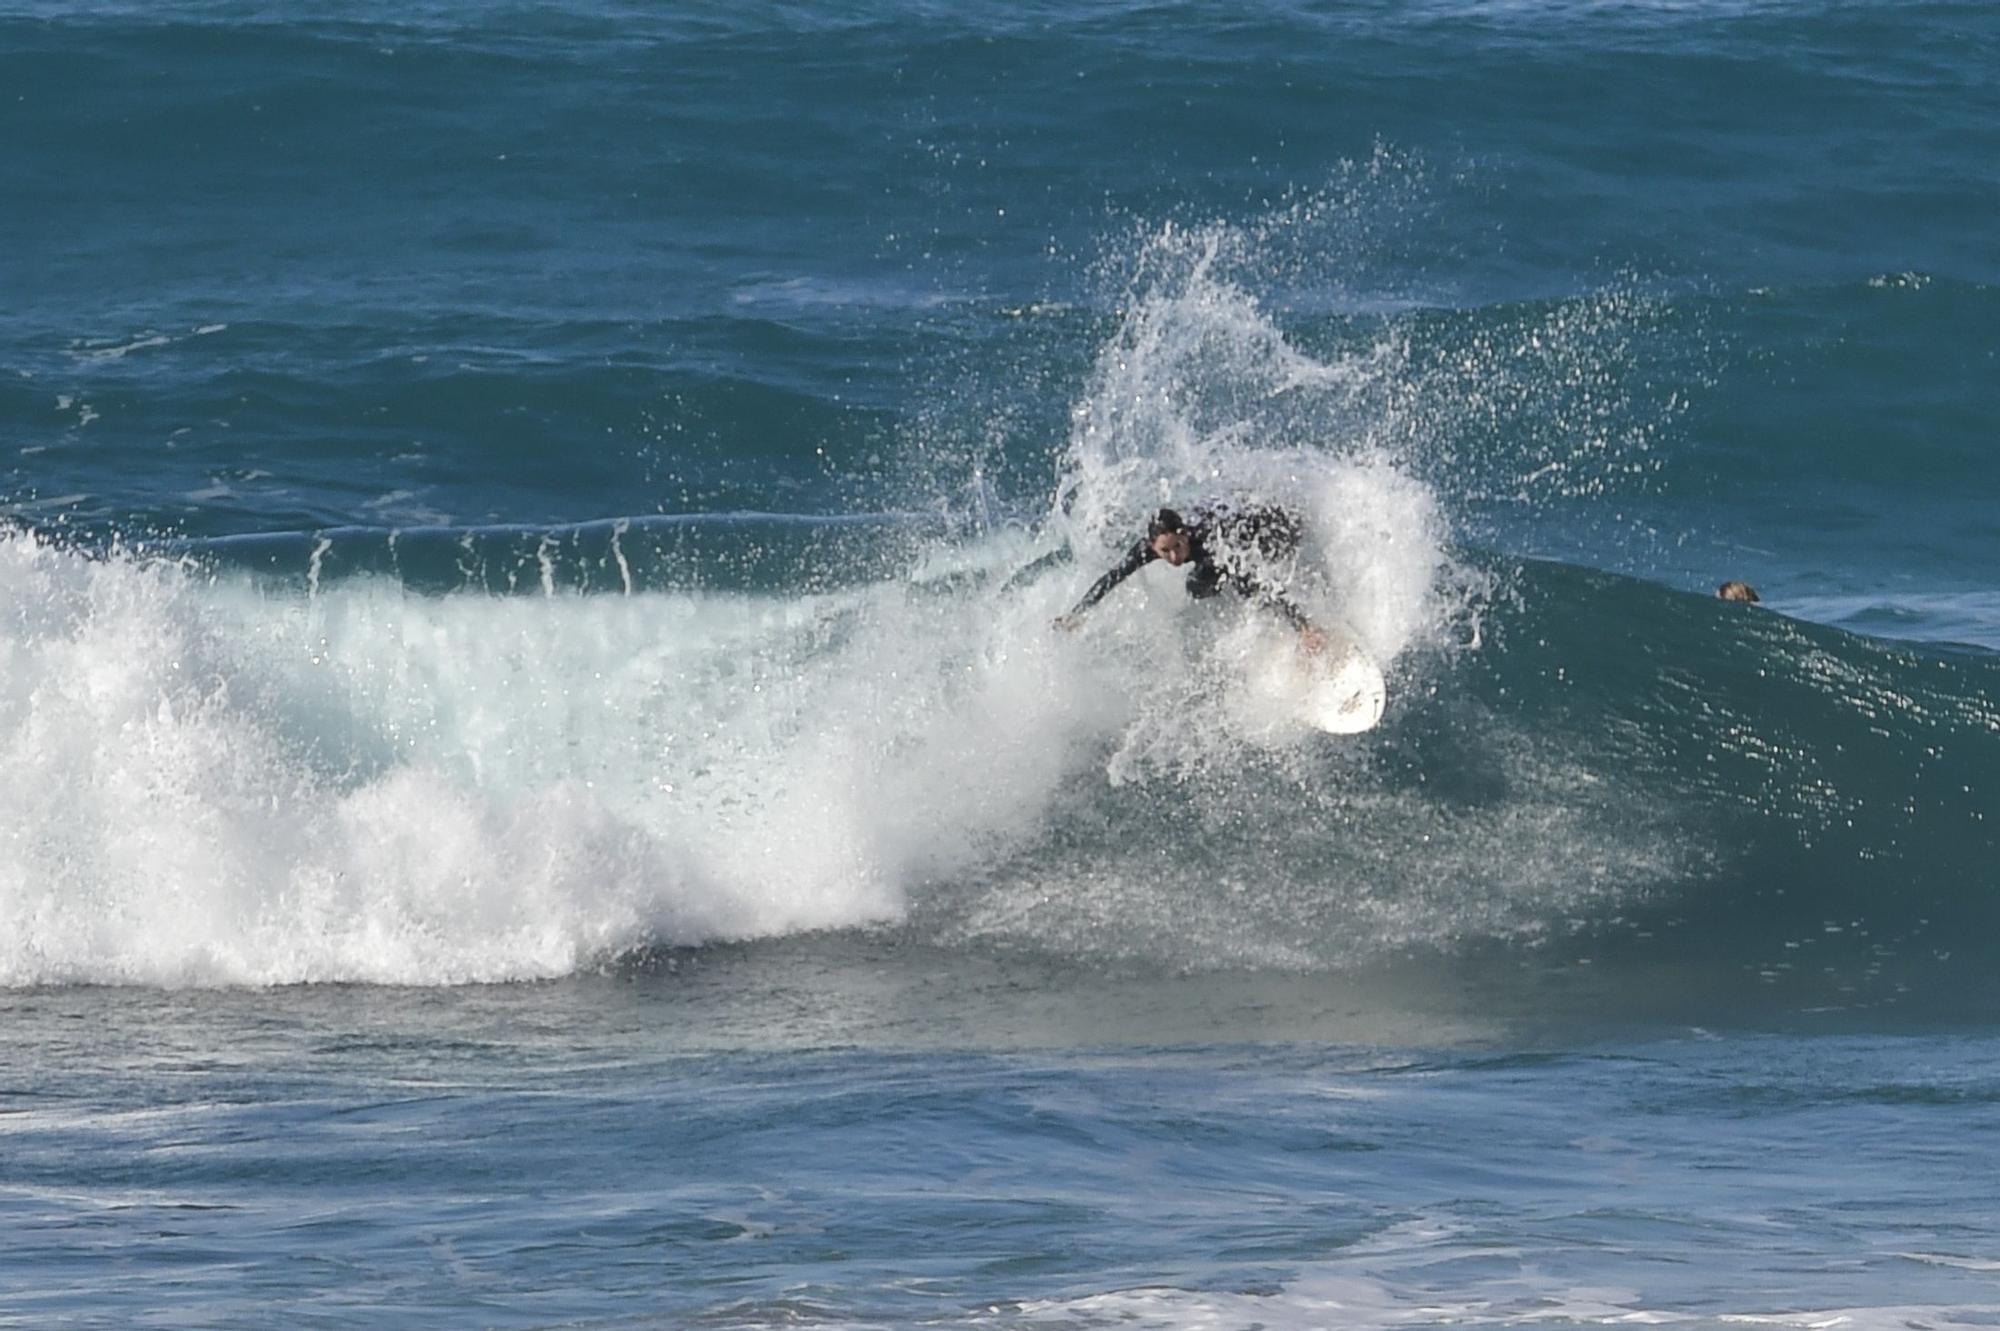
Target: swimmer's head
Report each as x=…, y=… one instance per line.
x=1733, y=590
x=1168, y=537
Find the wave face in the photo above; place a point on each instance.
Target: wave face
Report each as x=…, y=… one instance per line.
x=276, y=760
x=490, y=494
x=216, y=784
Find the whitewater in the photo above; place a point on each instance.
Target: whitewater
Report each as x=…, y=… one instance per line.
x=241, y=776
x=540, y=786
x=243, y=780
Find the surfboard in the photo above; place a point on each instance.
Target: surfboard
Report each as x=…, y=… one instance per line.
x=1337, y=690
x=1347, y=696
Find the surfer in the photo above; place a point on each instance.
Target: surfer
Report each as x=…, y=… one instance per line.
x=1224, y=546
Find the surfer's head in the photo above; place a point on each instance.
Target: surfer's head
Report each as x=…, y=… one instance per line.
x=1734, y=590
x=1168, y=536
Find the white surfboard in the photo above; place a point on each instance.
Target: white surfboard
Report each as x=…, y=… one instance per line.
x=1348, y=695
x=1338, y=689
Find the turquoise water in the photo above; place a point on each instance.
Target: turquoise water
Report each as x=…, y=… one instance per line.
x=541, y=794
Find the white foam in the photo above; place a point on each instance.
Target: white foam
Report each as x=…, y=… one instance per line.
x=210, y=784
x=120, y=350
x=1416, y=1273
x=1200, y=396
x=1362, y=1302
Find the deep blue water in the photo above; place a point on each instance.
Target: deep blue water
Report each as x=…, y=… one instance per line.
x=541, y=790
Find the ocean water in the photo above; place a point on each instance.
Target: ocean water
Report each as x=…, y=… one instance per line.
x=540, y=790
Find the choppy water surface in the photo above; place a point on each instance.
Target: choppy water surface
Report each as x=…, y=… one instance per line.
x=541, y=794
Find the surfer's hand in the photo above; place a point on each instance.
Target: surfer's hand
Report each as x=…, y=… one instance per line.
x=1067, y=623
x=1313, y=640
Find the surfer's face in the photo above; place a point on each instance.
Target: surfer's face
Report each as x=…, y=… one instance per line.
x=1173, y=546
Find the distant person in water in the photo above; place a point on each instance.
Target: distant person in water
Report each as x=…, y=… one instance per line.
x=1737, y=591
x=1225, y=547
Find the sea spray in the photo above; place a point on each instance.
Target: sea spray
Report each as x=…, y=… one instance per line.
x=442, y=755
x=1200, y=397
x=358, y=780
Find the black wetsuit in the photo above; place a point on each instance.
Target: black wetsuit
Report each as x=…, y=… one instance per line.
x=1231, y=547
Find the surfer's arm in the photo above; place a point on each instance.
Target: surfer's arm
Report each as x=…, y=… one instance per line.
x=1139, y=556
x=1027, y=573
x=1311, y=636
x=1275, y=598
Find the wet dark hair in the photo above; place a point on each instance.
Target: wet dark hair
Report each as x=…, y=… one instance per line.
x=1164, y=521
